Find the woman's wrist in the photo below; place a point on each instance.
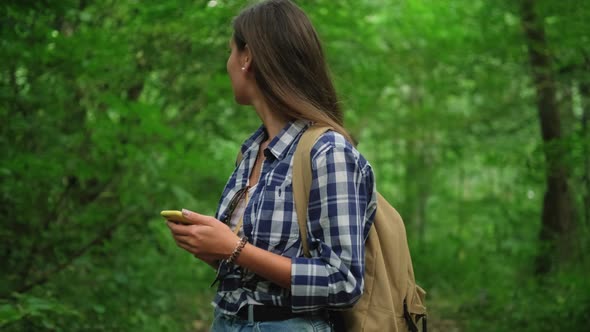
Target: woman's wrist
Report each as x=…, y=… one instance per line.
x=237, y=250
x=266, y=264
x=229, y=244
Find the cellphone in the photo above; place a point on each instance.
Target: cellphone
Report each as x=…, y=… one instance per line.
x=174, y=215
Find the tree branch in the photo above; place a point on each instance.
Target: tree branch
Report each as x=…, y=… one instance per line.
x=103, y=236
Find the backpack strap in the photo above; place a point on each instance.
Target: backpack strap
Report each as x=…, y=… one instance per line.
x=239, y=158
x=302, y=178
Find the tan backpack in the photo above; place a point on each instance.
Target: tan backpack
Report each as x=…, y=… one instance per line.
x=391, y=300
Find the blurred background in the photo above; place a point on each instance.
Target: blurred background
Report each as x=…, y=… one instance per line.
x=473, y=113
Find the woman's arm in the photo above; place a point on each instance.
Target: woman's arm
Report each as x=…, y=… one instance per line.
x=341, y=205
x=266, y=264
x=210, y=240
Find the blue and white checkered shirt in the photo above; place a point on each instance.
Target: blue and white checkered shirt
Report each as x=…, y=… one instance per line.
x=340, y=213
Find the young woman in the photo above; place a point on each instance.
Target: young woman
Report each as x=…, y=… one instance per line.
x=265, y=283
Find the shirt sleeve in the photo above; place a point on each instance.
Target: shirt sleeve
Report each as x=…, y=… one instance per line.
x=340, y=212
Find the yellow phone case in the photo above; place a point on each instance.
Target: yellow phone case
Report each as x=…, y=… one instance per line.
x=174, y=215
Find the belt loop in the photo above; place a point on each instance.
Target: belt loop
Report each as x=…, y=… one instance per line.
x=250, y=313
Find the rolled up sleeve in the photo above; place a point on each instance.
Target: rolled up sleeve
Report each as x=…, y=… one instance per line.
x=341, y=209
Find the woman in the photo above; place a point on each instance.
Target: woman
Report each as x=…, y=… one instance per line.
x=265, y=282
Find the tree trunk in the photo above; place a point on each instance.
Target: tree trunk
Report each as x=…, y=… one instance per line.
x=411, y=200
x=557, y=216
x=585, y=95
x=566, y=106
x=417, y=190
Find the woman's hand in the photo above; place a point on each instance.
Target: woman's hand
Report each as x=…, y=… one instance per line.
x=206, y=238
x=210, y=240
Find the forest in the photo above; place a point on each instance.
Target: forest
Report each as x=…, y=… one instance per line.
x=474, y=114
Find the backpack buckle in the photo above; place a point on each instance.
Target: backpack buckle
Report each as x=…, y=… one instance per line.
x=411, y=323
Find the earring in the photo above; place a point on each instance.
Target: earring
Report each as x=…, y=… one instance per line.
x=243, y=68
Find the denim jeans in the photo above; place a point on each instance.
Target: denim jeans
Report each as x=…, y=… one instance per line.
x=223, y=323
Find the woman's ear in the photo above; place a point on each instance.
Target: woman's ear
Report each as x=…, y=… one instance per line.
x=246, y=58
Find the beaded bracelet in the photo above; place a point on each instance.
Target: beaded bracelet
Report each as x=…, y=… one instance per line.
x=234, y=255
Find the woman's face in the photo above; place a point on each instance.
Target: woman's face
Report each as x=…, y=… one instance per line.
x=236, y=68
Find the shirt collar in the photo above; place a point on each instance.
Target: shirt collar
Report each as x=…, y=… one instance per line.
x=254, y=140
x=279, y=146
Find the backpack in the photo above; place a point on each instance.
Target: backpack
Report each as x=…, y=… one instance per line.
x=391, y=300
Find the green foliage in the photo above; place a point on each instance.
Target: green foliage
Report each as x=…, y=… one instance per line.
x=41, y=311
x=111, y=111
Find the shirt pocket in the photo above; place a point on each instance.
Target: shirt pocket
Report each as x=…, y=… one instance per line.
x=276, y=227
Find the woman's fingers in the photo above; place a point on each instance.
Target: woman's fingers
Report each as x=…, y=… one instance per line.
x=186, y=240
x=198, y=219
x=191, y=234
x=185, y=243
x=186, y=247
x=191, y=244
x=207, y=236
x=179, y=229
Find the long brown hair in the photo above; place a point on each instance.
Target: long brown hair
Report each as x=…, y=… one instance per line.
x=288, y=62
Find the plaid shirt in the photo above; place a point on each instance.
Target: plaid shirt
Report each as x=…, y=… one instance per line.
x=340, y=214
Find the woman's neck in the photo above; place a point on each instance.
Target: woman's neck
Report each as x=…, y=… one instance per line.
x=273, y=121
